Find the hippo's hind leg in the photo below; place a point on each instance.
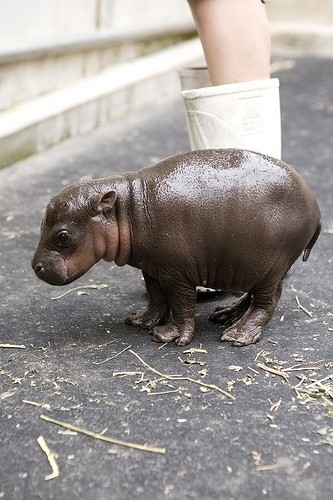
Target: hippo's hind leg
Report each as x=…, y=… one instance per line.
x=228, y=315
x=158, y=308
x=249, y=328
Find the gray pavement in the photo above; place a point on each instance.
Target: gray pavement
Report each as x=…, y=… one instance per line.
x=82, y=365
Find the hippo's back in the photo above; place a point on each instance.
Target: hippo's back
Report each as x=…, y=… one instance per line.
x=235, y=180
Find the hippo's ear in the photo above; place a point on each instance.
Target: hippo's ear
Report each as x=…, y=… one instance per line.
x=105, y=202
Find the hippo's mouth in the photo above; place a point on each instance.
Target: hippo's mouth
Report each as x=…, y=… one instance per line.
x=71, y=278
x=57, y=280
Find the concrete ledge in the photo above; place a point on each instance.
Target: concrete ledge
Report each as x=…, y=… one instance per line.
x=95, y=40
x=44, y=121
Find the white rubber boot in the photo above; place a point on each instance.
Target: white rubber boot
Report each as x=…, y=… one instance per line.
x=242, y=115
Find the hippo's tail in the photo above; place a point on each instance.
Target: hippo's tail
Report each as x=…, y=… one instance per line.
x=313, y=240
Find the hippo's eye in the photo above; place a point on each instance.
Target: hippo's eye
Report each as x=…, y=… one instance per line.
x=63, y=239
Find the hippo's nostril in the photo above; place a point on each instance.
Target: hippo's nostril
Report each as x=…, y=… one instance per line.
x=39, y=268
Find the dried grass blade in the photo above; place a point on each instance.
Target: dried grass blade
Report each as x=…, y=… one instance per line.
x=12, y=346
x=279, y=373
x=82, y=287
x=304, y=309
x=79, y=430
x=51, y=458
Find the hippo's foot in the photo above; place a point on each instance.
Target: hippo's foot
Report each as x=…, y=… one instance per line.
x=228, y=315
x=250, y=327
x=239, y=337
x=169, y=332
x=146, y=319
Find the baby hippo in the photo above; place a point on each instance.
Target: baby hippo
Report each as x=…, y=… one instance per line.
x=226, y=219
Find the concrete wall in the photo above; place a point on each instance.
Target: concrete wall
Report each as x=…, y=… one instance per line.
x=26, y=22
x=47, y=45
x=32, y=21
x=135, y=14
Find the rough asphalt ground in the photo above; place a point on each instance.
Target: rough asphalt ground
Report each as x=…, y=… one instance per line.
x=81, y=365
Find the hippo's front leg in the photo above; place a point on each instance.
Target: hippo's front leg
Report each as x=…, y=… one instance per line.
x=182, y=298
x=158, y=308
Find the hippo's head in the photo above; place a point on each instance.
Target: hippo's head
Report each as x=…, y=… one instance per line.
x=78, y=230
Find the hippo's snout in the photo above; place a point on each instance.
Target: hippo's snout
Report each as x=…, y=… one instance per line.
x=51, y=270
x=50, y=277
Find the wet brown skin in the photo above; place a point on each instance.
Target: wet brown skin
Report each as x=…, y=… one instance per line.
x=228, y=219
